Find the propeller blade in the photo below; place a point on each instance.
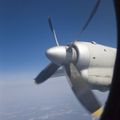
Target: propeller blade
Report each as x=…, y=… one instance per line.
x=46, y=73
x=53, y=30
x=82, y=90
x=91, y=15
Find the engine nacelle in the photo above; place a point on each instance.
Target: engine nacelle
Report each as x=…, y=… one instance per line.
x=95, y=63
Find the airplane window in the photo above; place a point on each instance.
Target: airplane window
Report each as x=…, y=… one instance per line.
x=112, y=108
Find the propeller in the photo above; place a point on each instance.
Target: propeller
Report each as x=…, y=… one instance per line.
x=66, y=56
x=94, y=10
x=53, y=31
x=46, y=73
x=82, y=90
x=80, y=87
x=51, y=68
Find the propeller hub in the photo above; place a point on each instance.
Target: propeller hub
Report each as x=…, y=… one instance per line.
x=57, y=54
x=61, y=55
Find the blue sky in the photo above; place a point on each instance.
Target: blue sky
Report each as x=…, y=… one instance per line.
x=25, y=34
